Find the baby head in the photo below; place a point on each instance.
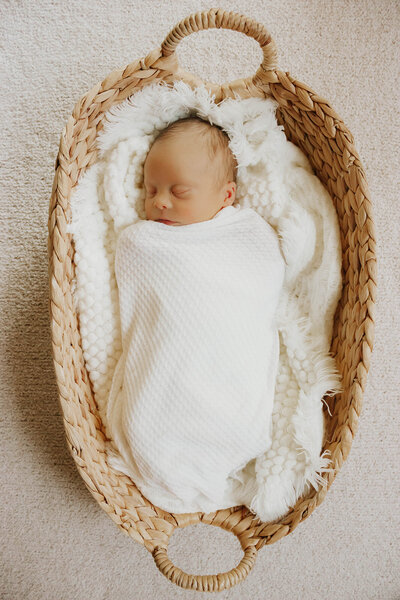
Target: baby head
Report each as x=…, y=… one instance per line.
x=189, y=173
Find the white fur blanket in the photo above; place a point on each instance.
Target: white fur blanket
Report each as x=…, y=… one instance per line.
x=276, y=180
x=192, y=395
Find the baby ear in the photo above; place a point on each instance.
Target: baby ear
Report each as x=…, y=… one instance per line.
x=230, y=193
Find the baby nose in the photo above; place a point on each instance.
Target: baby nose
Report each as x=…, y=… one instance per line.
x=161, y=201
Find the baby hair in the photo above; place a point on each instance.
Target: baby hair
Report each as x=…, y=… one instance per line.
x=217, y=144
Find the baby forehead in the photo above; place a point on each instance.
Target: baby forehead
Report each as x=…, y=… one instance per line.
x=189, y=154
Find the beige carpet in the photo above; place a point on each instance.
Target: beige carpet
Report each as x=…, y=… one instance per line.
x=57, y=543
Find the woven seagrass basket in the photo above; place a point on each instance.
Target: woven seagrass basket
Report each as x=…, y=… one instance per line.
x=310, y=122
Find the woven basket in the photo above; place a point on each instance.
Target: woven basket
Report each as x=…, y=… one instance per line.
x=310, y=123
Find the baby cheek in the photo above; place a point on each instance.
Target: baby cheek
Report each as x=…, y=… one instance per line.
x=184, y=209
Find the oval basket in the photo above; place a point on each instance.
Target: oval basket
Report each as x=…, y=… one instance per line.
x=309, y=122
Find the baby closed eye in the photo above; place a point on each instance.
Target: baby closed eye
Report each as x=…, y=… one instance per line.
x=179, y=193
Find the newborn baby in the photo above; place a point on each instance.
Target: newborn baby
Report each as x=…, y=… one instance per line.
x=199, y=282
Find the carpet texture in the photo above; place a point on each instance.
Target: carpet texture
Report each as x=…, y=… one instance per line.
x=57, y=543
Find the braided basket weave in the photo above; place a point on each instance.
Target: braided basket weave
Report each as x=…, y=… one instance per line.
x=310, y=123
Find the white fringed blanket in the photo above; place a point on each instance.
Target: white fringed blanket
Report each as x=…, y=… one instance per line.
x=192, y=395
x=276, y=180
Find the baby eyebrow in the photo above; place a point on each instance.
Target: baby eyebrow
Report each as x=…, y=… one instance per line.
x=179, y=186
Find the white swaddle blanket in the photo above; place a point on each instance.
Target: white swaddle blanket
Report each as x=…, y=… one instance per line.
x=192, y=394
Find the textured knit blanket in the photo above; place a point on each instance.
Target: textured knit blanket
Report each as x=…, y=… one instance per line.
x=275, y=179
x=192, y=395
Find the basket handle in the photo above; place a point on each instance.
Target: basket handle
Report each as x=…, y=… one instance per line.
x=207, y=583
x=217, y=18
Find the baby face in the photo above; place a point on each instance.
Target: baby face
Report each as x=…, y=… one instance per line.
x=180, y=182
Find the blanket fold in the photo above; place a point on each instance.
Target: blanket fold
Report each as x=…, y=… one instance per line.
x=192, y=395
